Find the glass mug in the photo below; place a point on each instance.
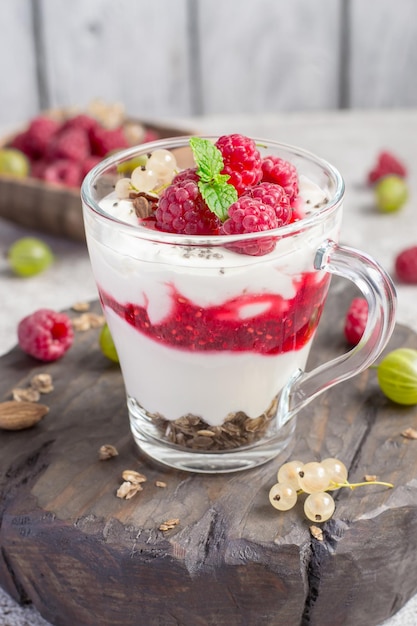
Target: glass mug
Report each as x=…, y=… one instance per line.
x=213, y=342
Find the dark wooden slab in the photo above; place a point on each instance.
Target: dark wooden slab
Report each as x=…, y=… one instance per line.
x=85, y=557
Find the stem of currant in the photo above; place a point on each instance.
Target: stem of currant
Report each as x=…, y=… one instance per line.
x=335, y=486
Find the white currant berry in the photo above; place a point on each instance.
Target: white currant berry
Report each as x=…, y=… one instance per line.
x=165, y=178
x=123, y=188
x=282, y=496
x=289, y=472
x=319, y=506
x=313, y=477
x=144, y=179
x=336, y=470
x=161, y=161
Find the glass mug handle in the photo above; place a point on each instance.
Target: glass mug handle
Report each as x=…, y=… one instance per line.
x=379, y=291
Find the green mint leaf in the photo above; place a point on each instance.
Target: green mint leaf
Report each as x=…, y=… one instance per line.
x=221, y=179
x=218, y=197
x=216, y=191
x=208, y=158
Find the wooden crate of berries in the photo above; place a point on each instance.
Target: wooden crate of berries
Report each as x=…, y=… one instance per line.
x=40, y=179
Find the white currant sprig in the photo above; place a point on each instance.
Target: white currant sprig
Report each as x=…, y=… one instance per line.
x=316, y=480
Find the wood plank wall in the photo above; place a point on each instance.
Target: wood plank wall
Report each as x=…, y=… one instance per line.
x=168, y=58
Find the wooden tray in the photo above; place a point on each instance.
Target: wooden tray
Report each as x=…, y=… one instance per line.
x=85, y=557
x=54, y=209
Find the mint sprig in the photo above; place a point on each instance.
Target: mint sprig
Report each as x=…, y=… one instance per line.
x=216, y=191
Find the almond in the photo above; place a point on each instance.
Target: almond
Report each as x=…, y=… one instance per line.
x=17, y=415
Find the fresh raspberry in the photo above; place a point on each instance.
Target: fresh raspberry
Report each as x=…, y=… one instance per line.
x=103, y=140
x=386, y=164
x=150, y=135
x=63, y=172
x=281, y=172
x=20, y=142
x=88, y=164
x=71, y=143
x=250, y=215
x=181, y=209
x=39, y=134
x=45, y=334
x=242, y=161
x=355, y=320
x=81, y=121
x=188, y=174
x=37, y=168
x=274, y=196
x=406, y=265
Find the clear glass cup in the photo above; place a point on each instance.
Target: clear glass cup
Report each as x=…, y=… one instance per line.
x=213, y=342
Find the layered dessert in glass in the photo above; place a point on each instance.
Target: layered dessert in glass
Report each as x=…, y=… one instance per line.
x=211, y=308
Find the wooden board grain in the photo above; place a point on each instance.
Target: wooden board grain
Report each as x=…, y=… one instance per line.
x=18, y=64
x=83, y=556
x=381, y=58
x=269, y=55
x=133, y=52
x=195, y=57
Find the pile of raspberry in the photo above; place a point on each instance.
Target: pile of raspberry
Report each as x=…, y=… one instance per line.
x=266, y=187
x=63, y=152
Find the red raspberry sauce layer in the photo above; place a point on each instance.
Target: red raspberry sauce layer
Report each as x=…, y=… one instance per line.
x=282, y=326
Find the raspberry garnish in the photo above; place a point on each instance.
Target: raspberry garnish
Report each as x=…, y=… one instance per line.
x=242, y=161
x=250, y=215
x=45, y=334
x=281, y=172
x=274, y=196
x=182, y=210
x=355, y=320
x=406, y=265
x=72, y=144
x=188, y=174
x=387, y=164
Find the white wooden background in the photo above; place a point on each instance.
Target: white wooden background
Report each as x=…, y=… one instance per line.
x=168, y=58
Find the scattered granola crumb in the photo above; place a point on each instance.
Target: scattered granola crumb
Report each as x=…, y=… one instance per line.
x=42, y=383
x=143, y=207
x=26, y=395
x=369, y=478
x=107, y=452
x=81, y=323
x=409, y=433
x=127, y=490
x=160, y=483
x=317, y=533
x=96, y=321
x=81, y=307
x=85, y=321
x=133, y=477
x=169, y=524
x=206, y=433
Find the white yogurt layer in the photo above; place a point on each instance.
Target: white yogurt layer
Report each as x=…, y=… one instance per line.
x=175, y=382
x=208, y=384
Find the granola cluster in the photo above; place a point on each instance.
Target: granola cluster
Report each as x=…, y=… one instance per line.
x=238, y=430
